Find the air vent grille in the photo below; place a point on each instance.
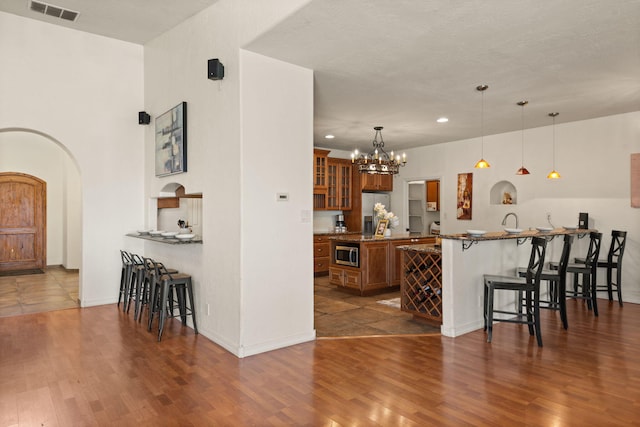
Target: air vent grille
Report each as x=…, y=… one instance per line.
x=51, y=10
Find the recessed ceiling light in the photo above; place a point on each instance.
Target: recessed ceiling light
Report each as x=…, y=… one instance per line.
x=329, y=136
x=442, y=120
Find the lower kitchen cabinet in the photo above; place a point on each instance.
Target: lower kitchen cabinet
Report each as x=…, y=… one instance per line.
x=321, y=258
x=380, y=267
x=345, y=277
x=395, y=261
x=421, y=289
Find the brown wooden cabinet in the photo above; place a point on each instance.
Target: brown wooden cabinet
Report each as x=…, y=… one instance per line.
x=321, y=258
x=421, y=289
x=376, y=182
x=339, y=187
x=345, y=277
x=395, y=256
x=380, y=266
x=433, y=195
x=320, y=159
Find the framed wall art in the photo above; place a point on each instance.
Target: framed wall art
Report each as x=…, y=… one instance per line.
x=171, y=141
x=465, y=192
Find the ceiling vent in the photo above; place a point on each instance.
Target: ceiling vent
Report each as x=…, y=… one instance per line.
x=55, y=11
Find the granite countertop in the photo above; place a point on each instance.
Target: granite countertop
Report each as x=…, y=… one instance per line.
x=394, y=236
x=160, y=239
x=333, y=233
x=503, y=235
x=429, y=248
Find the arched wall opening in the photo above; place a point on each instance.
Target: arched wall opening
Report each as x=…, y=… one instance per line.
x=38, y=154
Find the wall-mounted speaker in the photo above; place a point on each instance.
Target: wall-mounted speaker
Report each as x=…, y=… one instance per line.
x=143, y=118
x=215, y=69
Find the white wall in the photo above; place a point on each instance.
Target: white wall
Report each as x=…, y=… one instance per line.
x=33, y=154
x=221, y=142
x=83, y=91
x=277, y=125
x=593, y=157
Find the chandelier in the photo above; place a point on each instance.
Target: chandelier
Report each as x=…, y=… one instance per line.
x=378, y=161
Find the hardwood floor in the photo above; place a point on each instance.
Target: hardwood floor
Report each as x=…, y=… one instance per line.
x=96, y=366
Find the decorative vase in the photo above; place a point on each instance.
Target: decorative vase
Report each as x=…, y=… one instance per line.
x=387, y=232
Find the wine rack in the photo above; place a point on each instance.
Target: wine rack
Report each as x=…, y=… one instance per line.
x=421, y=286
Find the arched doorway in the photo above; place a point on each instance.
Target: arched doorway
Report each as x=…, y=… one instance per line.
x=32, y=153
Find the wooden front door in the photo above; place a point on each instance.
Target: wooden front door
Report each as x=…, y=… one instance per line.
x=22, y=222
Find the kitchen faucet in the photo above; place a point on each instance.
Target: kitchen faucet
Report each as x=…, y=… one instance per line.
x=504, y=221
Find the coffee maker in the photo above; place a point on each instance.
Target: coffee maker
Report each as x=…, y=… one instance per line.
x=341, y=227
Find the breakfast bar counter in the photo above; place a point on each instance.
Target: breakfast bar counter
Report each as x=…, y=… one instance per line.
x=168, y=241
x=466, y=258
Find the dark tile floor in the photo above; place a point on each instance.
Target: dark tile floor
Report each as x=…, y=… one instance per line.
x=56, y=289
x=339, y=314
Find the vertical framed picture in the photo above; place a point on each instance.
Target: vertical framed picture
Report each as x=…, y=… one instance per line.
x=171, y=141
x=381, y=227
x=465, y=194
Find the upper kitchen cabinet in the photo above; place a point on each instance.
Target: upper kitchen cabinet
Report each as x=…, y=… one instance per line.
x=376, y=182
x=339, y=184
x=320, y=160
x=320, y=181
x=433, y=195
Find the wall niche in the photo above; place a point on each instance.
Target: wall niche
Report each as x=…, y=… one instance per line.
x=503, y=193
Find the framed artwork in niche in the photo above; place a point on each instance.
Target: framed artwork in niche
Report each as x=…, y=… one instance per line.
x=171, y=141
x=464, y=198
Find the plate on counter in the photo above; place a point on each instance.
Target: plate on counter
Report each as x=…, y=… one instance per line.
x=185, y=236
x=570, y=227
x=476, y=233
x=544, y=229
x=156, y=233
x=169, y=234
x=513, y=230
x=143, y=232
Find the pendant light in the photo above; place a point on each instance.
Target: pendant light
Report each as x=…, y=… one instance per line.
x=554, y=174
x=482, y=163
x=522, y=170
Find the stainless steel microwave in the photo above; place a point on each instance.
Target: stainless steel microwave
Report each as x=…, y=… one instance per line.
x=348, y=255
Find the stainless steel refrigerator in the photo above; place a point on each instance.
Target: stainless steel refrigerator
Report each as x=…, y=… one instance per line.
x=368, y=215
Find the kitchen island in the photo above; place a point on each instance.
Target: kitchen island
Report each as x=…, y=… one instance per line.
x=378, y=266
x=465, y=259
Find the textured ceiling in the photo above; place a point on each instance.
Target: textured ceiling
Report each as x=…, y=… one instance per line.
x=402, y=64
x=137, y=21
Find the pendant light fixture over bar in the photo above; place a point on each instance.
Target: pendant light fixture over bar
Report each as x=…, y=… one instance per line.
x=482, y=163
x=554, y=174
x=378, y=161
x=522, y=170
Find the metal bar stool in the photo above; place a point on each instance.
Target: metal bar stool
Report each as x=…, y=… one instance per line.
x=137, y=279
x=125, y=279
x=161, y=300
x=529, y=285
